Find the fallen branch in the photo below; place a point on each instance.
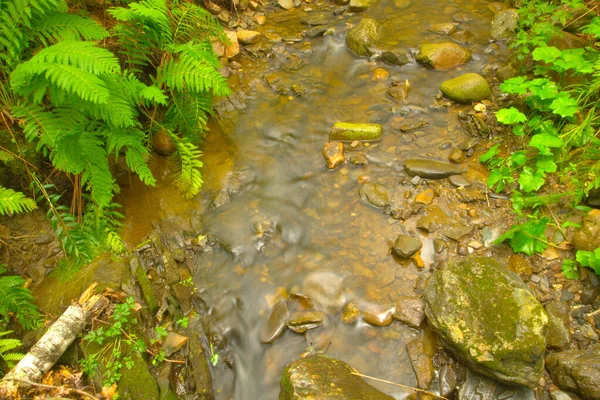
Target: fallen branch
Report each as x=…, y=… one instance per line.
x=50, y=387
x=399, y=385
x=55, y=341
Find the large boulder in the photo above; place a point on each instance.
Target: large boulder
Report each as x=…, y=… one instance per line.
x=504, y=24
x=362, y=37
x=489, y=319
x=577, y=371
x=588, y=236
x=324, y=378
x=466, y=88
x=443, y=56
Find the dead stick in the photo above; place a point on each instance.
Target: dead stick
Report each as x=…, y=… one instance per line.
x=399, y=385
x=50, y=387
x=55, y=341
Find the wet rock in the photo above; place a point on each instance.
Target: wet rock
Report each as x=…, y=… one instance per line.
x=565, y=40
x=43, y=238
x=350, y=313
x=137, y=383
x=439, y=245
x=302, y=321
x=301, y=300
x=377, y=195
x=402, y=4
x=456, y=233
x=462, y=17
x=346, y=131
x=359, y=5
x=559, y=322
x=577, y=371
x=443, y=56
x=459, y=181
x=508, y=344
x=430, y=168
x=456, y=156
x=410, y=310
x=316, y=19
x=233, y=48
x=163, y=144
x=477, y=387
x=380, y=74
x=333, y=152
x=324, y=378
x=466, y=88
x=362, y=37
x=286, y=4
x=198, y=362
x=276, y=323
x=324, y=288
x=420, y=352
x=398, y=58
x=248, y=37
x=427, y=223
x=173, y=343
x=504, y=24
x=426, y=197
x=358, y=159
x=315, y=32
x=588, y=236
x=447, y=28
x=497, y=6
x=376, y=314
x=520, y=266
x=405, y=128
x=405, y=246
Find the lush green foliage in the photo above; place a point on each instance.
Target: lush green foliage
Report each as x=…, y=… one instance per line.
x=16, y=300
x=86, y=107
x=7, y=349
x=556, y=118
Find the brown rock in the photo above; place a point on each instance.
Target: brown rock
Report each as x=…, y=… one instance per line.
x=447, y=28
x=588, y=236
x=410, y=310
x=443, y=56
x=276, y=323
x=333, y=152
x=248, y=37
x=421, y=352
x=163, y=144
x=426, y=197
x=233, y=49
x=456, y=156
x=376, y=314
x=303, y=321
x=380, y=74
x=173, y=343
x=350, y=313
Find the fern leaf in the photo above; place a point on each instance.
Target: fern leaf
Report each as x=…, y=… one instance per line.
x=15, y=299
x=135, y=161
x=39, y=124
x=12, y=202
x=6, y=157
x=152, y=95
x=189, y=112
x=191, y=75
x=187, y=158
x=68, y=27
x=193, y=22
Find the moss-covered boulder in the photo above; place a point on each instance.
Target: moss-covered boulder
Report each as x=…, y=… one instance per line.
x=324, y=378
x=504, y=24
x=362, y=37
x=489, y=319
x=443, y=56
x=137, y=383
x=466, y=88
x=349, y=132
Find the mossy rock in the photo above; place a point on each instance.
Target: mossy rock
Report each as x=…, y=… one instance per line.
x=362, y=37
x=137, y=383
x=324, y=378
x=489, y=319
x=466, y=88
x=349, y=132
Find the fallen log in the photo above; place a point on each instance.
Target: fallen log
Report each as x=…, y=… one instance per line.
x=55, y=341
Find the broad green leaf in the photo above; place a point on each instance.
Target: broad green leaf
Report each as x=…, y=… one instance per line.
x=491, y=153
x=518, y=158
x=564, y=106
x=570, y=270
x=593, y=28
x=510, y=116
x=546, y=164
x=516, y=85
x=542, y=140
x=589, y=259
x=527, y=238
x=531, y=181
x=543, y=88
x=546, y=54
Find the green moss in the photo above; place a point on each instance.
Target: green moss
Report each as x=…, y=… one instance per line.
x=346, y=131
x=137, y=383
x=466, y=88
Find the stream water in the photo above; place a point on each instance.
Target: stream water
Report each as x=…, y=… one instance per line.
x=289, y=217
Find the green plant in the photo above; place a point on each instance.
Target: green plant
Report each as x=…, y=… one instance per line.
x=16, y=300
x=7, y=347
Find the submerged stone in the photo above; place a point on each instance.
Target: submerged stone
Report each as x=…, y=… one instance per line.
x=362, y=37
x=324, y=288
x=443, y=56
x=276, y=322
x=376, y=195
x=333, y=152
x=446, y=28
x=405, y=246
x=421, y=352
x=359, y=5
x=347, y=131
x=302, y=321
x=398, y=58
x=430, y=168
x=577, y=371
x=489, y=319
x=324, y=378
x=466, y=88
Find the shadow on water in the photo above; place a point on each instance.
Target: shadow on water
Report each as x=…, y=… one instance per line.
x=284, y=216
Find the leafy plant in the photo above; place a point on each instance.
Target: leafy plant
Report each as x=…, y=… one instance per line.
x=7, y=347
x=16, y=300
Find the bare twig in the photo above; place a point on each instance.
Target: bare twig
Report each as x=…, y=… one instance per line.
x=51, y=387
x=399, y=385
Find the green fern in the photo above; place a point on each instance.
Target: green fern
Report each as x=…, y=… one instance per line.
x=16, y=300
x=5, y=156
x=187, y=160
x=12, y=202
x=7, y=347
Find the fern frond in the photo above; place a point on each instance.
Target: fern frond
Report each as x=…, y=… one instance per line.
x=187, y=158
x=15, y=299
x=8, y=345
x=6, y=157
x=191, y=75
x=152, y=95
x=39, y=124
x=149, y=14
x=12, y=202
x=137, y=48
x=114, y=243
x=189, y=112
x=191, y=22
x=136, y=162
x=68, y=27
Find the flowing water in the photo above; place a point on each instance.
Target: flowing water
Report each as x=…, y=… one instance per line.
x=288, y=216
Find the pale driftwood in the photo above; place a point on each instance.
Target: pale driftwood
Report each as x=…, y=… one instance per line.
x=55, y=341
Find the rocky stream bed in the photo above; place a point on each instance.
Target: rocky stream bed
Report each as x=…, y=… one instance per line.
x=345, y=231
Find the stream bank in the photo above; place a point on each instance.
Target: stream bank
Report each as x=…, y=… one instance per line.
x=317, y=261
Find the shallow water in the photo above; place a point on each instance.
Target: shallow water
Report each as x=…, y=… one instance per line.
x=290, y=216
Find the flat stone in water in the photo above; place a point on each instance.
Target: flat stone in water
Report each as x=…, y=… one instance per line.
x=405, y=246
x=324, y=288
x=398, y=58
x=346, y=131
x=421, y=352
x=316, y=19
x=315, y=32
x=410, y=310
x=412, y=127
x=377, y=195
x=275, y=325
x=459, y=181
x=376, y=314
x=430, y=168
x=427, y=223
x=302, y=321
x=324, y=378
x=458, y=232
